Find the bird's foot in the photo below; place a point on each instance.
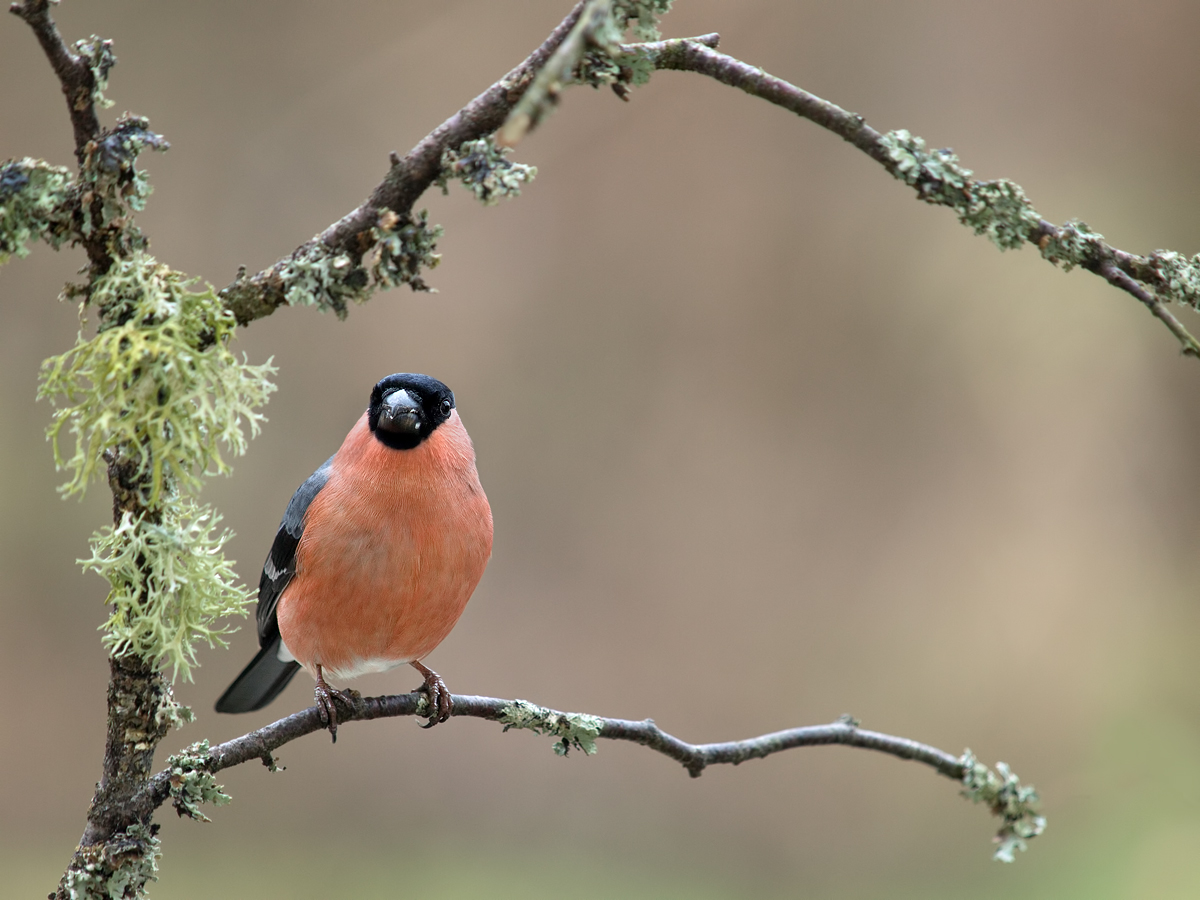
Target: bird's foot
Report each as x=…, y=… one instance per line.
x=441, y=704
x=327, y=698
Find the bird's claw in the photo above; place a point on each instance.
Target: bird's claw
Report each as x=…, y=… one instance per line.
x=441, y=703
x=327, y=698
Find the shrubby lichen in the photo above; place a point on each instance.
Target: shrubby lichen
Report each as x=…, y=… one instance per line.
x=483, y=169
x=1013, y=802
x=192, y=784
x=170, y=584
x=158, y=381
x=577, y=730
x=34, y=204
x=159, y=390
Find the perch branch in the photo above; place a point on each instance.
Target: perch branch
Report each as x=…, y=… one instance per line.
x=261, y=743
x=188, y=781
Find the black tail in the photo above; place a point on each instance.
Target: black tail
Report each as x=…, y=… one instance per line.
x=259, y=683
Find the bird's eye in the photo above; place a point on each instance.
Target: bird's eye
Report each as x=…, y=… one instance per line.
x=446, y=407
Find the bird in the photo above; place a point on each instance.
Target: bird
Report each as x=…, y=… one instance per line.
x=377, y=554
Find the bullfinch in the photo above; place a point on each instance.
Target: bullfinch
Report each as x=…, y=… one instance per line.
x=376, y=556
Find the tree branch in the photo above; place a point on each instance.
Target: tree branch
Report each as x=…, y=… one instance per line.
x=575, y=729
x=188, y=780
x=261, y=294
x=998, y=209
x=1141, y=277
x=74, y=72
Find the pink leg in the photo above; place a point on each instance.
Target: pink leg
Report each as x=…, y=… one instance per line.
x=441, y=704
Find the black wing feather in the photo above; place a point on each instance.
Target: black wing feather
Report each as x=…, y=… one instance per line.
x=267, y=675
x=281, y=561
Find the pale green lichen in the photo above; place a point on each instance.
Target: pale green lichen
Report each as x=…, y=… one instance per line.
x=34, y=204
x=483, y=169
x=331, y=280
x=111, y=183
x=171, y=713
x=640, y=17
x=1073, y=245
x=604, y=62
x=999, y=210
x=404, y=247
x=577, y=730
x=323, y=278
x=118, y=869
x=170, y=584
x=98, y=54
x=1013, y=802
x=192, y=784
x=158, y=381
x=1180, y=276
x=156, y=395
x=591, y=53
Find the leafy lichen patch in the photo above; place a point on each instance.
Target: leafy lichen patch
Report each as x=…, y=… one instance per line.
x=192, y=784
x=1179, y=276
x=577, y=730
x=483, y=169
x=118, y=869
x=331, y=279
x=34, y=204
x=1013, y=802
x=112, y=186
x=98, y=54
x=999, y=210
x=1073, y=245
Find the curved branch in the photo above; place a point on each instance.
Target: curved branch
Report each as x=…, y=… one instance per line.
x=1141, y=277
x=1154, y=281
x=76, y=76
x=571, y=728
x=254, y=297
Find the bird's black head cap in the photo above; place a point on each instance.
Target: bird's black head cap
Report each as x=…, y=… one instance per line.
x=406, y=409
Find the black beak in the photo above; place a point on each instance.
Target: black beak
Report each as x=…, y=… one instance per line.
x=400, y=414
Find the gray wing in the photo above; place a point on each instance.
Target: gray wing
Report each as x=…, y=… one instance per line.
x=281, y=561
x=267, y=675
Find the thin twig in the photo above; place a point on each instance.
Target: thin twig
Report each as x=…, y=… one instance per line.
x=1127, y=271
x=76, y=77
x=261, y=743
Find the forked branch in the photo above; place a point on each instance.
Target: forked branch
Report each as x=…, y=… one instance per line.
x=998, y=209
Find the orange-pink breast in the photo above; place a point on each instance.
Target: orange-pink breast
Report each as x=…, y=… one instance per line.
x=392, y=548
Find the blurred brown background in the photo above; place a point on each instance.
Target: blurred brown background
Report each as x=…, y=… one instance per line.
x=766, y=440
